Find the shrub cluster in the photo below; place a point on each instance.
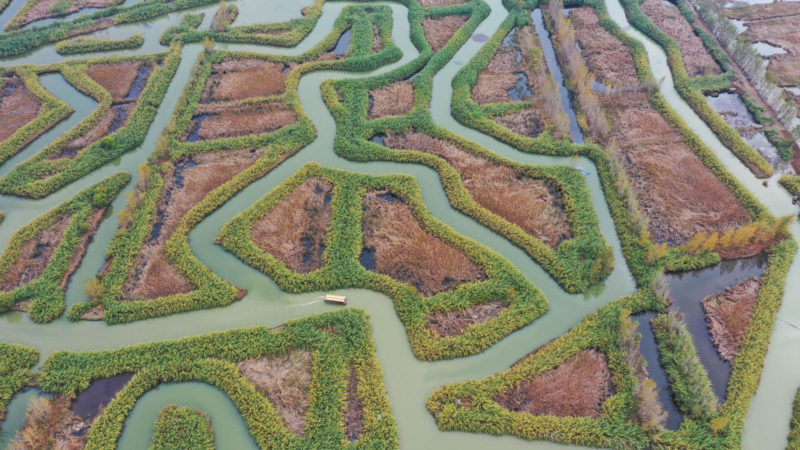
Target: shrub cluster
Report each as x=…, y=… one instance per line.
x=341, y=269
x=183, y=428
x=15, y=364
x=93, y=45
x=45, y=293
x=338, y=341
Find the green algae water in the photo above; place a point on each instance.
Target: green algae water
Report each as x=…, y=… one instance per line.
x=409, y=381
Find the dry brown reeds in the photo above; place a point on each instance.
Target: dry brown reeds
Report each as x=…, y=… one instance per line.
x=50, y=424
x=377, y=41
x=728, y=315
x=439, y=30
x=429, y=3
x=226, y=121
x=117, y=77
x=406, y=252
x=533, y=204
x=115, y=117
x=34, y=256
x=649, y=412
x=285, y=381
x=576, y=388
x=242, y=78
x=453, y=323
x=393, y=100
x=17, y=106
x=295, y=230
x=354, y=414
x=669, y=18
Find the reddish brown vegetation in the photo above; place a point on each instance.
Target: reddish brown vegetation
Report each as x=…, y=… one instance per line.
x=118, y=77
x=533, y=204
x=453, y=323
x=152, y=275
x=776, y=24
x=295, y=230
x=35, y=256
x=97, y=25
x=42, y=9
x=377, y=41
x=285, y=380
x=224, y=121
x=439, y=30
x=668, y=17
x=728, y=314
x=406, y=252
x=678, y=195
x=354, y=414
x=393, y=100
x=763, y=11
x=576, y=388
x=241, y=78
x=50, y=424
x=17, y=105
x=111, y=121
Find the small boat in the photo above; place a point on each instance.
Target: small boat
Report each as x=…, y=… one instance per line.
x=583, y=171
x=337, y=299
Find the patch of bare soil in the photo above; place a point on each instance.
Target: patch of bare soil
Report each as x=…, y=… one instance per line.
x=377, y=42
x=606, y=56
x=295, y=230
x=224, y=121
x=186, y=184
x=42, y=8
x=354, y=414
x=453, y=323
x=676, y=192
x=406, y=252
x=439, y=30
x=50, y=424
x=576, y=388
x=241, y=78
x=118, y=77
x=728, y=315
x=285, y=381
x=429, y=3
x=35, y=256
x=17, y=105
x=396, y=99
x=536, y=205
x=695, y=56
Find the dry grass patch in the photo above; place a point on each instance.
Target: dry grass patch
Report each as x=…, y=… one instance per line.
x=576, y=388
x=395, y=99
x=781, y=31
x=763, y=11
x=42, y=9
x=406, y=252
x=429, y=3
x=354, y=414
x=50, y=424
x=453, y=323
x=786, y=69
x=241, y=78
x=233, y=121
x=152, y=275
x=34, y=256
x=606, y=56
x=535, y=205
x=377, y=41
x=118, y=77
x=728, y=315
x=17, y=106
x=295, y=230
x=524, y=123
x=115, y=118
x=439, y=30
x=668, y=17
x=285, y=380
x=678, y=195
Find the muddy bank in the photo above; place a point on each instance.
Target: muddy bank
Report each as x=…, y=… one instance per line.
x=285, y=380
x=576, y=388
x=454, y=323
x=535, y=205
x=409, y=254
x=17, y=105
x=295, y=230
x=677, y=194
